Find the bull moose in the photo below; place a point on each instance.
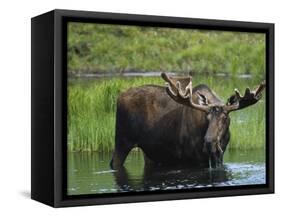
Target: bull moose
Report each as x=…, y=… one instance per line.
x=177, y=124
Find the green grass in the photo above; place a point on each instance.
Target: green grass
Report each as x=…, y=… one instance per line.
x=92, y=107
x=104, y=48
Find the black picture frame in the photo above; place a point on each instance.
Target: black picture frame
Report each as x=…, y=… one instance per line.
x=49, y=83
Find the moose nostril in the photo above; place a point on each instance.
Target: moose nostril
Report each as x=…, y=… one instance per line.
x=209, y=140
x=207, y=147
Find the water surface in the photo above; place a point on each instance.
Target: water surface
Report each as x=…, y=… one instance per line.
x=89, y=173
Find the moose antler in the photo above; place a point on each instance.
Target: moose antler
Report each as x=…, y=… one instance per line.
x=182, y=95
x=236, y=101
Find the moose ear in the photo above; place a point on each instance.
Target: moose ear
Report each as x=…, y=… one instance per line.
x=202, y=98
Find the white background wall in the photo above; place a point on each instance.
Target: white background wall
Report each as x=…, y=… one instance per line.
x=15, y=106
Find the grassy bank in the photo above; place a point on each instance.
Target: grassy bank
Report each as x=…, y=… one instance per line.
x=117, y=49
x=92, y=106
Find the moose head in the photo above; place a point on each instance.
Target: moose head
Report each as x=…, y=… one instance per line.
x=217, y=114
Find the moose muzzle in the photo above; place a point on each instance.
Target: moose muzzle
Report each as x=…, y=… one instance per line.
x=214, y=151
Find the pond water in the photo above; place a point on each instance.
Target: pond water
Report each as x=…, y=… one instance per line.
x=89, y=173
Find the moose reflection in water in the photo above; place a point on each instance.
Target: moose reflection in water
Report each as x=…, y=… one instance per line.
x=162, y=178
x=178, y=125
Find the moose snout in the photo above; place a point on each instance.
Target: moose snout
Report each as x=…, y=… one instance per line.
x=209, y=139
x=209, y=145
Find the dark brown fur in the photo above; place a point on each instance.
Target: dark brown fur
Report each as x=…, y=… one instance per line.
x=169, y=133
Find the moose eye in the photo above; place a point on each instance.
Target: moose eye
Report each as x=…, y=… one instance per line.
x=224, y=118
